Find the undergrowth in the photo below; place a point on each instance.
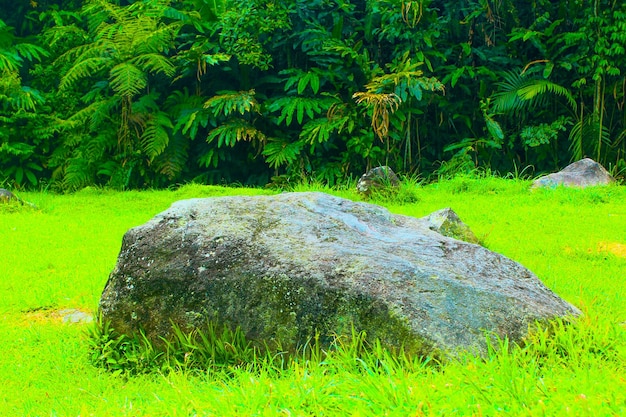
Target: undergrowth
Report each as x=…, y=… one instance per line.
x=216, y=348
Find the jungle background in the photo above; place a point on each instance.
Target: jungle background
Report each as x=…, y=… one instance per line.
x=151, y=93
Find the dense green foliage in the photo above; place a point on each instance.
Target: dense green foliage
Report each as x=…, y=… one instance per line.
x=59, y=256
x=155, y=92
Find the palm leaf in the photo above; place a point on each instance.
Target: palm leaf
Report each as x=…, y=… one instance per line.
x=536, y=87
x=587, y=128
x=518, y=92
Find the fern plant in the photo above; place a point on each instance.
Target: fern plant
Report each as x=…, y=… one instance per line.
x=235, y=110
x=20, y=157
x=127, y=48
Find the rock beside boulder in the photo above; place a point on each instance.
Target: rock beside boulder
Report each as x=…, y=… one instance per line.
x=284, y=267
x=582, y=174
x=380, y=178
x=448, y=223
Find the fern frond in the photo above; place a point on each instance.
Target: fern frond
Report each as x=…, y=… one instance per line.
x=299, y=106
x=234, y=131
x=59, y=33
x=319, y=130
x=30, y=52
x=82, y=69
x=172, y=161
x=8, y=63
x=127, y=79
x=227, y=102
x=100, y=11
x=103, y=112
x=155, y=39
x=278, y=152
x=97, y=49
x=27, y=99
x=155, y=63
x=155, y=137
x=83, y=115
x=95, y=147
x=76, y=173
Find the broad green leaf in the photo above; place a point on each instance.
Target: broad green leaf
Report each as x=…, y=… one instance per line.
x=315, y=83
x=456, y=74
x=548, y=70
x=304, y=80
x=31, y=177
x=19, y=175
x=494, y=128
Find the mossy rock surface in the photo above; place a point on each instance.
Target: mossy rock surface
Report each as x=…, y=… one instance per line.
x=287, y=267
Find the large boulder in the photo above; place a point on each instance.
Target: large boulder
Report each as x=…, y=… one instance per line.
x=582, y=174
x=284, y=267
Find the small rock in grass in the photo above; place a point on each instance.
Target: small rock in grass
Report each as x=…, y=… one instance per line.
x=448, y=223
x=7, y=196
x=73, y=315
x=378, y=179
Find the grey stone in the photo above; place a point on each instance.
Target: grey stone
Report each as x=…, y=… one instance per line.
x=284, y=267
x=448, y=223
x=582, y=174
x=379, y=178
x=7, y=196
x=72, y=315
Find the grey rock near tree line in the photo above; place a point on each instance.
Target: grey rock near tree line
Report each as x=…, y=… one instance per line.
x=286, y=266
x=380, y=178
x=6, y=196
x=581, y=174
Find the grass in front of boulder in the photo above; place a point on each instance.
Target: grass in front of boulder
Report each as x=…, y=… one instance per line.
x=59, y=257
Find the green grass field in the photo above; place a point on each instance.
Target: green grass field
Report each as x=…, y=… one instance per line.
x=59, y=257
